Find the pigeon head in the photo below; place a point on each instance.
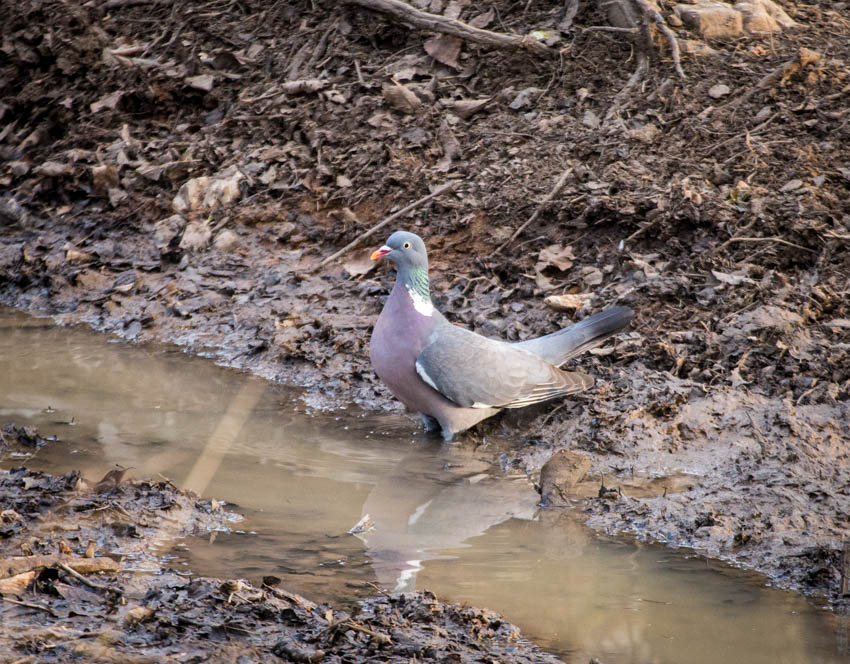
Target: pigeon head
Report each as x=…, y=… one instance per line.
x=406, y=250
x=408, y=253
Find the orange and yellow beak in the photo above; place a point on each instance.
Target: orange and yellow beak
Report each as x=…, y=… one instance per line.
x=380, y=253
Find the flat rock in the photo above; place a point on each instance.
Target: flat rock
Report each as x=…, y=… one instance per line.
x=562, y=472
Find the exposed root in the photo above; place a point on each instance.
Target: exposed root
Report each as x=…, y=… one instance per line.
x=636, y=77
x=649, y=13
x=450, y=26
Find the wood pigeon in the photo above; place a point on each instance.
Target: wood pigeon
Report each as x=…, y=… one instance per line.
x=453, y=377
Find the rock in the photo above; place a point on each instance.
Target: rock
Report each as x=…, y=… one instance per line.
x=756, y=18
x=195, y=237
x=165, y=230
x=696, y=47
x=202, y=82
x=646, y=134
x=591, y=120
x=562, y=472
x=227, y=240
x=713, y=20
x=523, y=98
x=770, y=16
x=718, y=91
x=209, y=192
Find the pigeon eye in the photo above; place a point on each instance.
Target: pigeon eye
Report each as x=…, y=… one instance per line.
x=406, y=245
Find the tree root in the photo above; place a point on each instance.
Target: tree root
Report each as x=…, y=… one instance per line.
x=638, y=17
x=450, y=26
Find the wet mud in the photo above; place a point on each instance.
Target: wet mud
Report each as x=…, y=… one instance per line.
x=162, y=184
x=83, y=577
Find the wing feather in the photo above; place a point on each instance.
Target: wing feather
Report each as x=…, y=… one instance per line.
x=477, y=372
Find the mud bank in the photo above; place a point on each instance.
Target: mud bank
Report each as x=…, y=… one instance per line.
x=162, y=185
x=83, y=578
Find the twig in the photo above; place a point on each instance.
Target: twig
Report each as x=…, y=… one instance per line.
x=79, y=577
x=120, y=4
x=764, y=239
x=450, y=26
x=609, y=28
x=442, y=190
x=634, y=79
x=559, y=185
x=319, y=51
x=41, y=607
x=381, y=638
x=642, y=230
x=359, y=74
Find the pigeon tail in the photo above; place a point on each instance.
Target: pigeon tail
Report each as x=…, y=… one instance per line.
x=563, y=345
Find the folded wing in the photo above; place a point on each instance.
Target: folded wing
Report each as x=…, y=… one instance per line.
x=477, y=372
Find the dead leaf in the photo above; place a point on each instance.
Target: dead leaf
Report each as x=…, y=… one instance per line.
x=567, y=301
x=359, y=265
x=450, y=145
x=401, y=98
x=104, y=176
x=445, y=49
x=303, y=86
x=555, y=256
x=455, y=7
x=482, y=20
x=110, y=101
x=733, y=279
x=54, y=169
x=77, y=595
x=466, y=108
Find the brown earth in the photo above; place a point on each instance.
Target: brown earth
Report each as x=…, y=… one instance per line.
x=721, y=216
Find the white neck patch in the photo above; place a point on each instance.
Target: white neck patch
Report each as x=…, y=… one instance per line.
x=422, y=305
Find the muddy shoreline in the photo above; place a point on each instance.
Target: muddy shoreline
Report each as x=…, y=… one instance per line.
x=83, y=576
x=724, y=226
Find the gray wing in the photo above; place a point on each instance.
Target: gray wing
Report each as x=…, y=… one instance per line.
x=477, y=372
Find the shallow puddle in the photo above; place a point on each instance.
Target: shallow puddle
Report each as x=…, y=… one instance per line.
x=440, y=517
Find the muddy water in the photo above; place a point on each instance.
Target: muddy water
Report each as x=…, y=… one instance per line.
x=439, y=517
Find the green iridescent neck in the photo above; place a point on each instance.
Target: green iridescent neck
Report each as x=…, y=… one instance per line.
x=416, y=278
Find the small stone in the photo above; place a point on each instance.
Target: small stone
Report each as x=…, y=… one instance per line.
x=560, y=474
x=712, y=20
x=195, y=237
x=591, y=120
x=227, y=240
x=696, y=47
x=718, y=91
x=165, y=230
